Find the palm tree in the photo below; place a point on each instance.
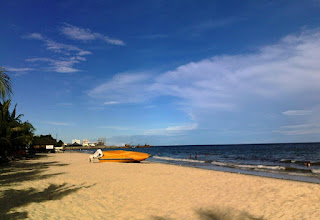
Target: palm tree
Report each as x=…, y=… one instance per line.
x=5, y=84
x=14, y=134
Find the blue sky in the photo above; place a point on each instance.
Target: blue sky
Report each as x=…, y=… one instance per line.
x=166, y=72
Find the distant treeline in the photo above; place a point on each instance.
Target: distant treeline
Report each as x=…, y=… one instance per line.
x=46, y=140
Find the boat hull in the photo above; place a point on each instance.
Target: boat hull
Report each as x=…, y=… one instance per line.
x=122, y=156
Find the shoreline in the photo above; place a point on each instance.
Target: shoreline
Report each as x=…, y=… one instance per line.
x=66, y=185
x=274, y=175
x=247, y=173
x=281, y=176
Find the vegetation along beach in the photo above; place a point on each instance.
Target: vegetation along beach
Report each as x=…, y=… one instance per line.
x=160, y=109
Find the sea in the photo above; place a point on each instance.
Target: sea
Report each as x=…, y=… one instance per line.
x=283, y=161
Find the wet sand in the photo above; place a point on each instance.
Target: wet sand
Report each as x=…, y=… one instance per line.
x=67, y=186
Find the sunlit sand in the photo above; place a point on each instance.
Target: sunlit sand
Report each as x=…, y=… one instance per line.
x=67, y=186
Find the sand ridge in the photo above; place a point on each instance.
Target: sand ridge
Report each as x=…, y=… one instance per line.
x=67, y=186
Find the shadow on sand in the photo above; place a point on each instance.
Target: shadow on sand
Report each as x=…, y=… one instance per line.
x=12, y=199
x=21, y=171
x=218, y=214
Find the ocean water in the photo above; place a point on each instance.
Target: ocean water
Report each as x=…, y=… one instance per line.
x=284, y=161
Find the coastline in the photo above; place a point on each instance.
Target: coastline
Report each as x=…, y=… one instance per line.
x=278, y=171
x=66, y=185
x=273, y=175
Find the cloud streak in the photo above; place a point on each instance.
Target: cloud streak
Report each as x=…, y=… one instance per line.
x=297, y=112
x=285, y=69
x=56, y=47
x=19, y=71
x=62, y=65
x=172, y=130
x=12, y=69
x=77, y=33
x=71, y=55
x=111, y=103
x=124, y=88
x=300, y=129
x=285, y=72
x=58, y=123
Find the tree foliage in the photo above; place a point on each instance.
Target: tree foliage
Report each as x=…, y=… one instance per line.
x=46, y=140
x=14, y=134
x=5, y=84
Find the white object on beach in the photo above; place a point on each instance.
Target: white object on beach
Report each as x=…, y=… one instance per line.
x=96, y=155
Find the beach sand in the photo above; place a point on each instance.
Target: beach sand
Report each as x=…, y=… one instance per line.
x=67, y=186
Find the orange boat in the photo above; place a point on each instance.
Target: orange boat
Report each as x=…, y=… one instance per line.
x=120, y=156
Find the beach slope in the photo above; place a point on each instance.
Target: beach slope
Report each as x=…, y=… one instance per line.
x=67, y=186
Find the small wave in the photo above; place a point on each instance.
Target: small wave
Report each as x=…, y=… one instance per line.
x=301, y=162
x=219, y=163
x=247, y=166
x=300, y=174
x=262, y=167
x=178, y=159
x=287, y=161
x=315, y=170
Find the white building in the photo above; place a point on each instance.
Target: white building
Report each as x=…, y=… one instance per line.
x=85, y=142
x=76, y=141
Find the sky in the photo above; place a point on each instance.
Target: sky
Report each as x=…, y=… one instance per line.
x=165, y=72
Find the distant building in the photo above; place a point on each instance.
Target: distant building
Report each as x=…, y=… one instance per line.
x=85, y=142
x=92, y=144
x=75, y=144
x=77, y=141
x=102, y=141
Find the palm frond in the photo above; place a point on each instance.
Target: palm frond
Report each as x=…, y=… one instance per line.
x=5, y=84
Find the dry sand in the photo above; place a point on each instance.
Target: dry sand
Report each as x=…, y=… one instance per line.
x=67, y=186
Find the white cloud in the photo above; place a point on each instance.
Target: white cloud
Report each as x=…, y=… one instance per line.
x=172, y=130
x=65, y=49
x=36, y=36
x=124, y=87
x=300, y=129
x=65, y=69
x=299, y=126
x=111, y=103
x=309, y=124
x=58, y=123
x=286, y=72
x=113, y=41
x=80, y=58
x=77, y=33
x=183, y=127
x=286, y=69
x=83, y=53
x=19, y=71
x=12, y=69
x=39, y=59
x=297, y=112
x=64, y=65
